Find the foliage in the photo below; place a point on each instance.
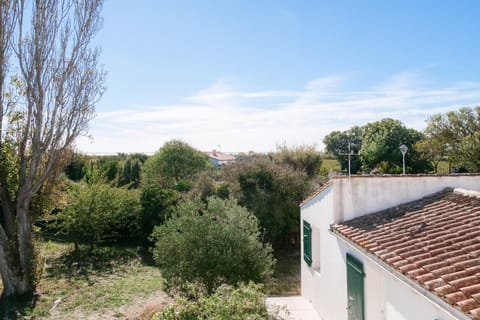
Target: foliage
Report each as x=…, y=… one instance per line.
x=228, y=302
x=210, y=244
x=337, y=144
x=203, y=186
x=75, y=168
x=303, y=158
x=455, y=136
x=380, y=147
x=101, y=170
x=118, y=170
x=99, y=213
x=432, y=149
x=129, y=169
x=272, y=192
x=157, y=205
x=174, y=165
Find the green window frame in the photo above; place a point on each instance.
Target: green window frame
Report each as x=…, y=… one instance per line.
x=307, y=243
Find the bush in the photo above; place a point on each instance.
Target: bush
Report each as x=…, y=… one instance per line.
x=272, y=191
x=303, y=158
x=100, y=213
x=244, y=302
x=157, y=204
x=210, y=245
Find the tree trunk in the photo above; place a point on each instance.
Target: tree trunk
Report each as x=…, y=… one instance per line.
x=17, y=266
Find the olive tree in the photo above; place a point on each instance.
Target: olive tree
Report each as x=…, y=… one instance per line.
x=211, y=244
x=49, y=84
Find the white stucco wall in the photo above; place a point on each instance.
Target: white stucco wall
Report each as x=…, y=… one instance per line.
x=386, y=296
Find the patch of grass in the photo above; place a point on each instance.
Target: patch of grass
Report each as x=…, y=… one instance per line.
x=286, y=278
x=78, y=283
x=329, y=164
x=443, y=167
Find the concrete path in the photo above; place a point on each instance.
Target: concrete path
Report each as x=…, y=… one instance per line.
x=298, y=308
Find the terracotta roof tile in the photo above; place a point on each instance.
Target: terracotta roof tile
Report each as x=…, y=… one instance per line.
x=434, y=241
x=476, y=296
x=446, y=289
x=455, y=297
x=473, y=290
x=475, y=313
x=220, y=156
x=468, y=304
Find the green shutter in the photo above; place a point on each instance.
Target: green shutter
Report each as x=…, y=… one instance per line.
x=355, y=289
x=307, y=242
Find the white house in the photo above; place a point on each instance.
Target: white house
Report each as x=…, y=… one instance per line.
x=219, y=158
x=393, y=247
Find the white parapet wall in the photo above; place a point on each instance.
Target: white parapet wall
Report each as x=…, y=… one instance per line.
x=360, y=195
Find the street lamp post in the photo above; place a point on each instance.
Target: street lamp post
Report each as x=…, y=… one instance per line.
x=403, y=150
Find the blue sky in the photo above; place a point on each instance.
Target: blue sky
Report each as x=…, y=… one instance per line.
x=248, y=75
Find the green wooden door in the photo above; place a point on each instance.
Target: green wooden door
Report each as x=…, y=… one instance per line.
x=355, y=292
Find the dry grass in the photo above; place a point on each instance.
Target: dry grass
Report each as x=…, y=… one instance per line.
x=286, y=279
x=106, y=283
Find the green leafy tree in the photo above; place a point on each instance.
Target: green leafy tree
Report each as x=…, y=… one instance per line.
x=157, y=205
x=100, y=213
x=303, y=158
x=174, y=165
x=432, y=149
x=272, y=191
x=211, y=244
x=457, y=135
x=380, y=147
x=337, y=144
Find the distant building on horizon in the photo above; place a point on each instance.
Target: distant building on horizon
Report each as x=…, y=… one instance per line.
x=219, y=158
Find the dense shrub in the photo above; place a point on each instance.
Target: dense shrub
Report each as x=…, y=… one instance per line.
x=228, y=302
x=272, y=192
x=302, y=158
x=100, y=213
x=157, y=204
x=210, y=244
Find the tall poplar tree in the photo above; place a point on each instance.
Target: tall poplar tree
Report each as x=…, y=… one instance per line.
x=49, y=83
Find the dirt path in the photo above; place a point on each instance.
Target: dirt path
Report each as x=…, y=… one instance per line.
x=142, y=308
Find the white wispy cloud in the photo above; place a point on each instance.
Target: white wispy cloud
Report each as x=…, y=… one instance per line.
x=238, y=120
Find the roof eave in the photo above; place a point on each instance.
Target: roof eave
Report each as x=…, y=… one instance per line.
x=316, y=194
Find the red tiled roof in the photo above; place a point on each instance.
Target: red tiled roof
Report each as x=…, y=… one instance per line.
x=220, y=156
x=434, y=241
